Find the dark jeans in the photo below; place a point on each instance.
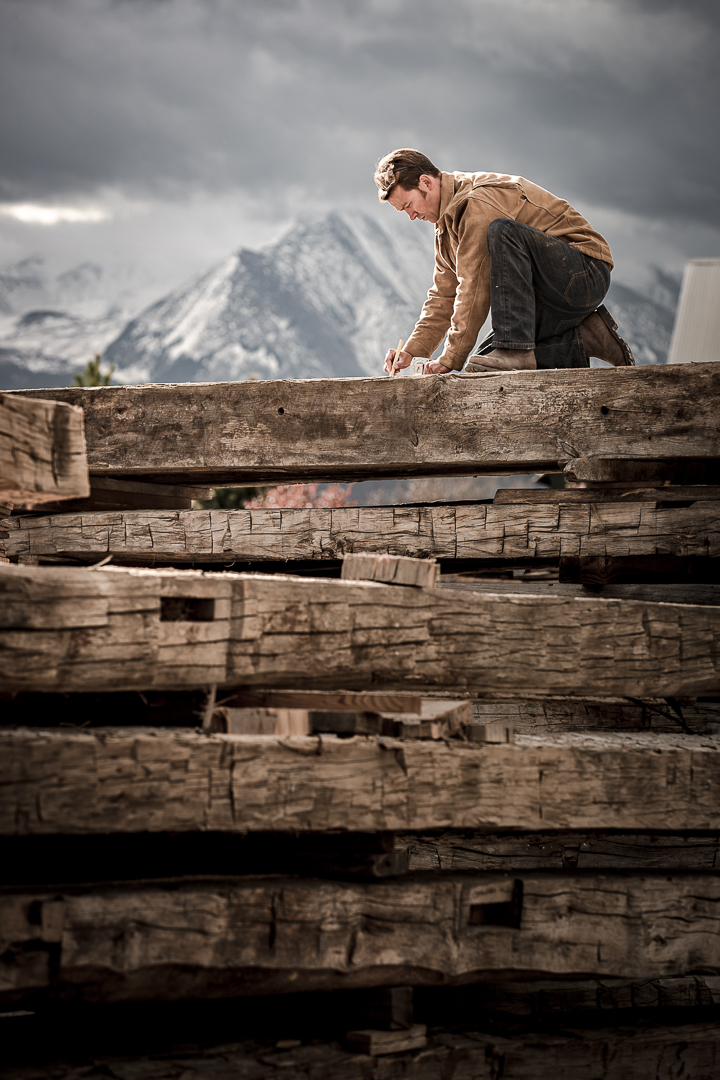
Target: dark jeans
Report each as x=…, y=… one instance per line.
x=541, y=289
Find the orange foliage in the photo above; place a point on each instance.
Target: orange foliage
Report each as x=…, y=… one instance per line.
x=301, y=497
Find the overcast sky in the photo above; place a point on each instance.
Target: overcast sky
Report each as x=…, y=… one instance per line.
x=187, y=128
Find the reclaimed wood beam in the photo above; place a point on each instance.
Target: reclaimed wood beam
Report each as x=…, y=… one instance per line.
x=635, y=1050
x=70, y=630
x=517, y=530
x=560, y=851
x=358, y=429
x=42, y=451
x=130, y=780
x=236, y=936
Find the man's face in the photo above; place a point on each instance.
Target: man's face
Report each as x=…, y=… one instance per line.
x=422, y=202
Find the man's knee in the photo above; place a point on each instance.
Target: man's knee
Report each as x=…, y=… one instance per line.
x=501, y=232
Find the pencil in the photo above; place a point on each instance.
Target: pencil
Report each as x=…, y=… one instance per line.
x=397, y=356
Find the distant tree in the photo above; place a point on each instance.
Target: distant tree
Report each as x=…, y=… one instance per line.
x=92, y=375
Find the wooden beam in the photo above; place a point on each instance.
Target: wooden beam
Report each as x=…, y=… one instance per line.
x=391, y=569
x=532, y=997
x=596, y=571
x=42, y=451
x=663, y=494
x=621, y=528
x=603, y=1053
x=562, y=714
x=454, y=851
x=620, y=469
x=129, y=780
x=666, y=593
x=338, y=700
x=69, y=630
x=240, y=936
x=115, y=493
x=356, y=429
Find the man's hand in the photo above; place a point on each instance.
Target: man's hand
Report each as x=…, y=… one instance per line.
x=436, y=368
x=404, y=361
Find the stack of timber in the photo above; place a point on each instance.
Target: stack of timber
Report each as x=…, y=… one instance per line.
x=484, y=810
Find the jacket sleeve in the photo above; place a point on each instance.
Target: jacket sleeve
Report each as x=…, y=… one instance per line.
x=459, y=300
x=436, y=315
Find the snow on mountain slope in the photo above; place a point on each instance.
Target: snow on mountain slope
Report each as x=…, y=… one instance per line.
x=325, y=300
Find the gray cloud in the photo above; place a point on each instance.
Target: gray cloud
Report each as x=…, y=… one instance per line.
x=608, y=102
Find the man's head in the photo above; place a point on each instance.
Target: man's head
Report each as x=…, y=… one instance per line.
x=409, y=181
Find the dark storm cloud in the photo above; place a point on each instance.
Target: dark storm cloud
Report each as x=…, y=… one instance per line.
x=610, y=102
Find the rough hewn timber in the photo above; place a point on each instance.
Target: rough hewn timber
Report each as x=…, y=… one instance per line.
x=616, y=1053
x=116, y=493
x=130, y=780
x=559, y=714
x=512, y=852
x=660, y=493
x=620, y=469
x=666, y=593
x=390, y=569
x=454, y=531
x=66, y=630
x=348, y=429
x=530, y=997
x=42, y=451
x=237, y=936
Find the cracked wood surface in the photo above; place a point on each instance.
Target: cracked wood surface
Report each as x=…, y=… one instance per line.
x=608, y=1053
x=455, y=531
x=348, y=429
x=247, y=936
x=462, y=850
x=65, y=629
x=42, y=451
x=130, y=780
x=558, y=715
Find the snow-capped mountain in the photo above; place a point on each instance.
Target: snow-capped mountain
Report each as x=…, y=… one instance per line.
x=50, y=327
x=324, y=300
x=327, y=299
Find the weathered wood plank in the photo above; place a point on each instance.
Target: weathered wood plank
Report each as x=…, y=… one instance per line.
x=558, y=714
x=454, y=531
x=661, y=493
x=130, y=780
x=666, y=593
x=346, y=429
x=115, y=493
x=42, y=451
x=514, y=852
x=65, y=630
x=543, y=996
x=595, y=571
x=596, y=469
x=609, y=1053
x=251, y=935
x=390, y=569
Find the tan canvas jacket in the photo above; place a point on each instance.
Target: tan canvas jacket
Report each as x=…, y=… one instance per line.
x=459, y=299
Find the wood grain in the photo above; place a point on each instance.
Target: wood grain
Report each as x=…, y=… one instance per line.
x=65, y=630
x=455, y=531
x=346, y=429
x=238, y=936
x=42, y=451
x=632, y=1051
x=135, y=780
x=455, y=851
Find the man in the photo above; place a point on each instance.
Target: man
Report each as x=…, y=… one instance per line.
x=505, y=245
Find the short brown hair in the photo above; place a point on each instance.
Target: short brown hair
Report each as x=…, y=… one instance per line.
x=403, y=168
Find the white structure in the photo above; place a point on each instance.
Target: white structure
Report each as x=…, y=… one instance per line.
x=696, y=333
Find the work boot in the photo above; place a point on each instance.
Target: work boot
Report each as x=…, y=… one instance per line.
x=601, y=339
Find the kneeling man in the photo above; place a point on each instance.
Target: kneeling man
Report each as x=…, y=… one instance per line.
x=505, y=245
